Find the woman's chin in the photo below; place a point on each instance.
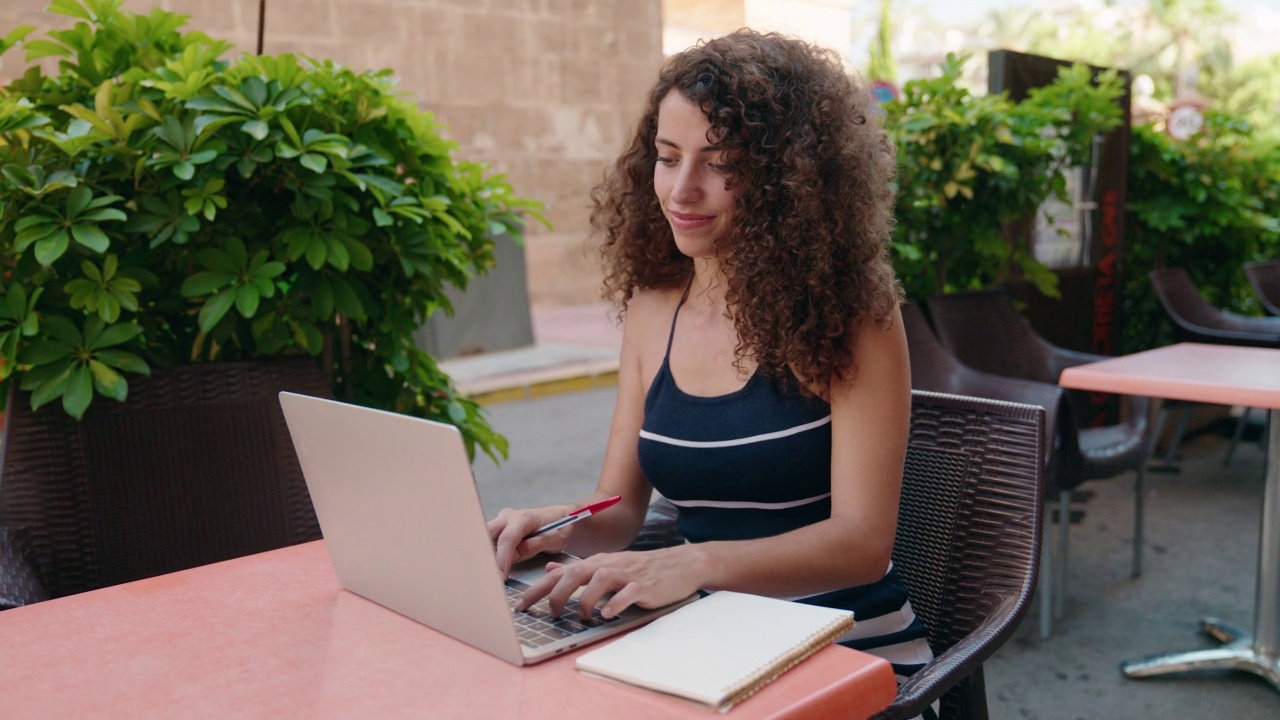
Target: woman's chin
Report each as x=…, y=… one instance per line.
x=695, y=247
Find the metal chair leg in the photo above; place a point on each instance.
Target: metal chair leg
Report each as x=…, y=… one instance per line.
x=1241, y=422
x=1139, y=496
x=1064, y=524
x=1184, y=417
x=1044, y=593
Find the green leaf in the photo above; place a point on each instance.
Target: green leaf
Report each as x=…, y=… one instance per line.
x=247, y=299
x=215, y=308
x=346, y=300
x=184, y=170
x=35, y=234
x=204, y=283
x=257, y=129
x=37, y=49
x=102, y=214
x=53, y=247
x=317, y=252
x=361, y=257
x=382, y=219
x=122, y=360
x=91, y=237
x=63, y=330
x=78, y=200
x=79, y=392
x=50, y=387
x=44, y=352
x=457, y=413
x=114, y=335
x=314, y=162
x=108, y=382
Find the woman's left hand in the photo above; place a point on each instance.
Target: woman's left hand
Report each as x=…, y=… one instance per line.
x=648, y=579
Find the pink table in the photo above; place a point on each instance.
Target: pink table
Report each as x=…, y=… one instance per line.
x=273, y=635
x=1225, y=375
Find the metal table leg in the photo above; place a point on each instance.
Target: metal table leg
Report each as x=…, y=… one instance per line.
x=1258, y=653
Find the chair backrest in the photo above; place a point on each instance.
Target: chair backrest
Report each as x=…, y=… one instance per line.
x=1195, y=320
x=985, y=331
x=968, y=542
x=195, y=468
x=935, y=369
x=1183, y=302
x=1264, y=277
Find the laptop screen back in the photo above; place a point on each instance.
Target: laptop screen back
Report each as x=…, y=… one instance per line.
x=401, y=517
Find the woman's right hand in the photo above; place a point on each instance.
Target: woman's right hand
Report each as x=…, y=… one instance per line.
x=509, y=531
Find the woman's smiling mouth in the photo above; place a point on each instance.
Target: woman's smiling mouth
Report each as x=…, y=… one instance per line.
x=689, y=221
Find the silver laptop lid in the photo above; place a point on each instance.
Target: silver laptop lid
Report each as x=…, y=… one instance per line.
x=402, y=519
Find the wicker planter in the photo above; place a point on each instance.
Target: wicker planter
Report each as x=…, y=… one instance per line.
x=196, y=467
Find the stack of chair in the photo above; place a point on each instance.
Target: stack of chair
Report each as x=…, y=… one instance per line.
x=984, y=331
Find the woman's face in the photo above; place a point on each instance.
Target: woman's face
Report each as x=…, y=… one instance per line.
x=689, y=178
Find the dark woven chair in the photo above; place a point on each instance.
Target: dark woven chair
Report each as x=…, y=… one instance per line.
x=935, y=369
x=1264, y=277
x=1195, y=320
x=969, y=529
x=985, y=331
x=195, y=468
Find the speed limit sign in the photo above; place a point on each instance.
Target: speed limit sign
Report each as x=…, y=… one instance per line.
x=1185, y=120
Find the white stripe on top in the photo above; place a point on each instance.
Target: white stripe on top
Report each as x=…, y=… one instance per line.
x=645, y=434
x=743, y=505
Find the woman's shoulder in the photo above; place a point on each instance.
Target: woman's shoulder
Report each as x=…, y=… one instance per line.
x=647, y=322
x=654, y=304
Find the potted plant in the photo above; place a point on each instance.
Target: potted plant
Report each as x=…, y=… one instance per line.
x=160, y=205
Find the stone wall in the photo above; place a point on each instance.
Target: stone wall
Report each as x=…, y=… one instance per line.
x=545, y=91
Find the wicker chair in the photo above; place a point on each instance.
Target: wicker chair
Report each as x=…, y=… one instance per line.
x=968, y=545
x=935, y=369
x=986, y=332
x=969, y=528
x=1264, y=277
x=195, y=468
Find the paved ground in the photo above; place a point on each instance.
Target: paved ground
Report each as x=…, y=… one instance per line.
x=1202, y=528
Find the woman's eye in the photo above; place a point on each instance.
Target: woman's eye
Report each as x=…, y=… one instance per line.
x=666, y=161
x=719, y=167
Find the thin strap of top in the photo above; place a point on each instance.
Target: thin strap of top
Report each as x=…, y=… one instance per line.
x=672, y=334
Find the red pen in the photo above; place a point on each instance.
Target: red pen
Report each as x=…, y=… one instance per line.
x=576, y=515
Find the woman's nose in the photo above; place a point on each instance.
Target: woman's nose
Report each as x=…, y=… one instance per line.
x=688, y=186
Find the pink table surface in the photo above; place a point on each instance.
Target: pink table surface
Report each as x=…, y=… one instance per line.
x=1222, y=374
x=273, y=635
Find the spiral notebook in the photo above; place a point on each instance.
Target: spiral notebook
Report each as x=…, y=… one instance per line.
x=719, y=650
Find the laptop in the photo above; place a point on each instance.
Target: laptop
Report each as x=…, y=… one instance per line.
x=404, y=527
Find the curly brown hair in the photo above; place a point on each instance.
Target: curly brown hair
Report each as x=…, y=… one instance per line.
x=807, y=258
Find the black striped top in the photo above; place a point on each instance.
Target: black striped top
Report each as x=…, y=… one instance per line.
x=755, y=463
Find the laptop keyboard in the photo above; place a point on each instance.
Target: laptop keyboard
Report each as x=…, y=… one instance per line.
x=536, y=626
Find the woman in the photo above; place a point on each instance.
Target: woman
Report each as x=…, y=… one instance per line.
x=763, y=384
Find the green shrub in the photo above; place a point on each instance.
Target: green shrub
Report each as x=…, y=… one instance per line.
x=1207, y=205
x=160, y=205
x=968, y=165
